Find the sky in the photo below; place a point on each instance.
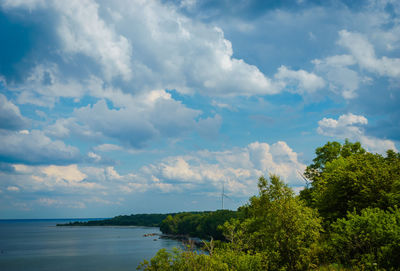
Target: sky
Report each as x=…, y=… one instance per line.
x=151, y=106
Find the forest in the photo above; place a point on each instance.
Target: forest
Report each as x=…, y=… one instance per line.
x=346, y=218
x=147, y=220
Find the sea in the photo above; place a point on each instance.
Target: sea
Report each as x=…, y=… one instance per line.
x=30, y=245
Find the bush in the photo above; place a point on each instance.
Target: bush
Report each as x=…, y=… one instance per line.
x=370, y=240
x=277, y=225
x=220, y=260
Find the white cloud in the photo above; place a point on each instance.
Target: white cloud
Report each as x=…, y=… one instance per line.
x=340, y=71
x=363, y=51
x=64, y=179
x=69, y=173
x=10, y=116
x=13, y=189
x=152, y=46
x=60, y=129
x=107, y=148
x=94, y=156
x=239, y=168
x=59, y=203
x=350, y=126
x=147, y=117
x=83, y=31
x=341, y=79
x=178, y=169
x=35, y=147
x=302, y=81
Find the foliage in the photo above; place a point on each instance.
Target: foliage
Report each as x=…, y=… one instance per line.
x=279, y=226
x=148, y=220
x=325, y=154
x=370, y=240
x=353, y=193
x=329, y=152
x=221, y=260
x=346, y=177
x=202, y=225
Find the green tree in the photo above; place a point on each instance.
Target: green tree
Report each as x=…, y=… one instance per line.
x=199, y=224
x=221, y=260
x=279, y=226
x=369, y=240
x=344, y=178
x=331, y=151
x=169, y=225
x=325, y=154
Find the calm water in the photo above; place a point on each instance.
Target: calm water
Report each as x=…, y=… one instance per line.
x=40, y=245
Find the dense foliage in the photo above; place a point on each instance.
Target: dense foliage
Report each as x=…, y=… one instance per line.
x=221, y=260
x=203, y=225
x=345, y=219
x=277, y=225
x=369, y=239
x=148, y=220
x=346, y=178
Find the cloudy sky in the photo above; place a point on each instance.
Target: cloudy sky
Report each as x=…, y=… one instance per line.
x=132, y=106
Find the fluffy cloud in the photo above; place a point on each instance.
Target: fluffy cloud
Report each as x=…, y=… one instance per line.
x=364, y=53
x=148, y=44
x=65, y=179
x=13, y=189
x=149, y=116
x=302, y=81
x=59, y=203
x=35, y=148
x=340, y=70
x=341, y=79
x=10, y=116
x=68, y=173
x=82, y=31
x=239, y=168
x=350, y=126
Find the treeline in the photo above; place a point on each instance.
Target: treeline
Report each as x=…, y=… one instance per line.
x=347, y=218
x=147, y=220
x=203, y=225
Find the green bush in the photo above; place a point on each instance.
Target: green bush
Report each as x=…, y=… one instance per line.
x=277, y=225
x=370, y=240
x=220, y=260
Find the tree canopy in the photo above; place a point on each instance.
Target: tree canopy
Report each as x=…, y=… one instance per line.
x=346, y=219
x=346, y=178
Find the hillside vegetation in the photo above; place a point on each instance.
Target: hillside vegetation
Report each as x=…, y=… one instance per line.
x=347, y=218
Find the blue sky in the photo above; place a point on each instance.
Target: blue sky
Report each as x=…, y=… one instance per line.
x=119, y=107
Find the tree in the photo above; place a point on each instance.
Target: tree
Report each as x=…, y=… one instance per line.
x=331, y=151
x=346, y=178
x=369, y=240
x=278, y=225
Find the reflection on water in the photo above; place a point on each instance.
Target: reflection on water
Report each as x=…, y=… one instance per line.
x=40, y=245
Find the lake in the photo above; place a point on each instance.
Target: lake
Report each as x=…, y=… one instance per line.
x=40, y=245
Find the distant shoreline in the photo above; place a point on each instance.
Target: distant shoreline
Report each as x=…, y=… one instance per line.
x=145, y=220
x=50, y=219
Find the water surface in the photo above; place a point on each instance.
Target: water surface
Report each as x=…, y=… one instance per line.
x=39, y=245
